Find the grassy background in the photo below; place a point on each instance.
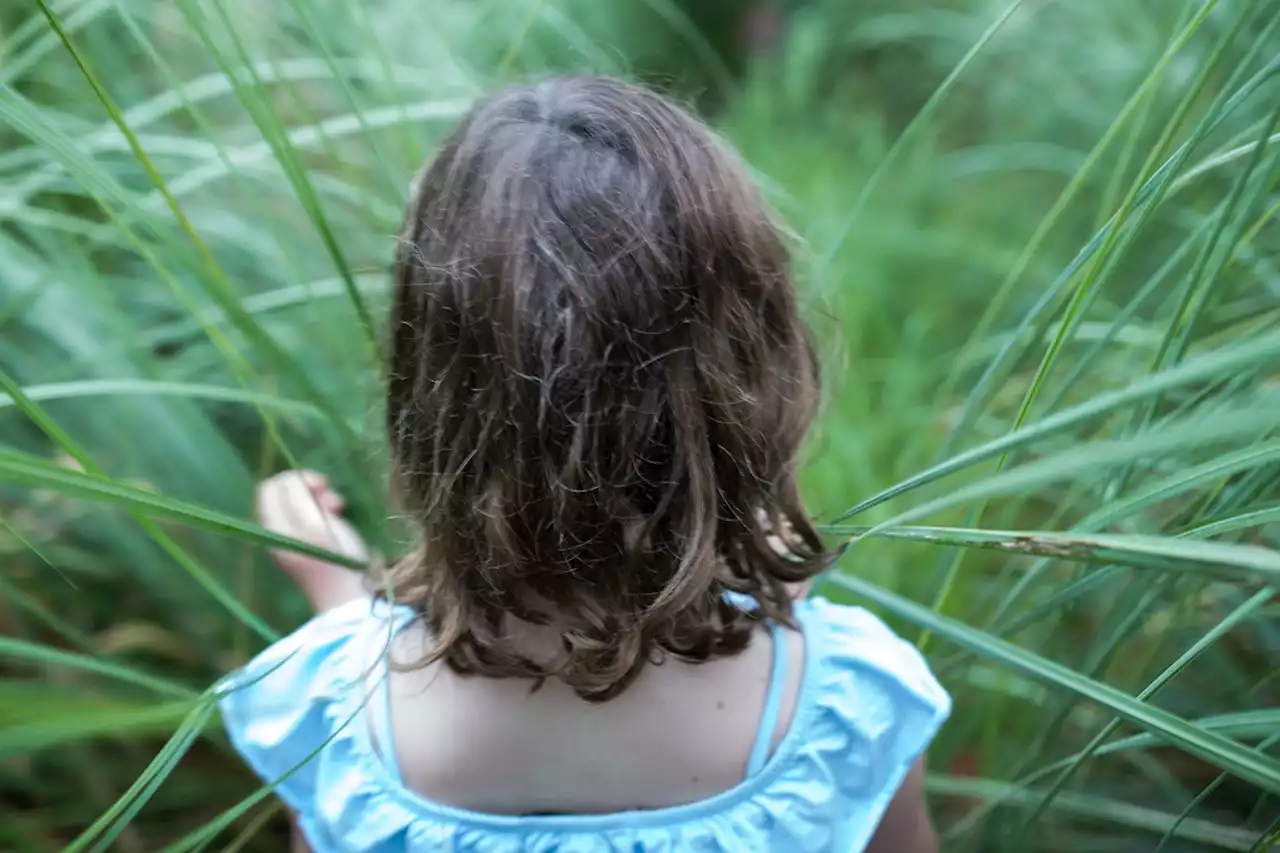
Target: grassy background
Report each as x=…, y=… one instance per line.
x=1038, y=241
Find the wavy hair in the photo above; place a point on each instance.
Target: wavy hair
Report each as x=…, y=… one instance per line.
x=599, y=387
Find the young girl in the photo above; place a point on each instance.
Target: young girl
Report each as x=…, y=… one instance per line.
x=599, y=386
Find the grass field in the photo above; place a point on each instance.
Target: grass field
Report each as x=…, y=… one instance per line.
x=1038, y=242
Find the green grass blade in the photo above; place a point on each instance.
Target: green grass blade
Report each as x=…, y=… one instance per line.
x=1211, y=835
x=1201, y=797
x=22, y=470
x=914, y=127
x=1262, y=350
x=1148, y=552
x=102, y=832
x=67, y=718
x=1208, y=745
x=34, y=654
x=285, y=155
x=189, y=564
x=1244, y=521
x=80, y=389
x=1235, y=618
x=214, y=277
x=1006, y=289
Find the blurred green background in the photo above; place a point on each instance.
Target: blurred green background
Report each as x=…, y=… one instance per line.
x=1037, y=241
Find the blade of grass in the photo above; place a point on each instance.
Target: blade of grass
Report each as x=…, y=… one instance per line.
x=1165, y=182
x=1106, y=257
x=189, y=564
x=1146, y=552
x=1261, y=350
x=1245, y=724
x=198, y=838
x=285, y=154
x=1195, y=294
x=1108, y=810
x=79, y=389
x=1208, y=745
x=1256, y=518
x=23, y=470
x=914, y=127
x=67, y=721
x=35, y=654
x=253, y=827
x=1067, y=768
x=1200, y=798
x=272, y=300
x=113, y=821
x=215, y=277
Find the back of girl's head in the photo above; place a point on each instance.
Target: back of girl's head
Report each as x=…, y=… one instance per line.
x=599, y=386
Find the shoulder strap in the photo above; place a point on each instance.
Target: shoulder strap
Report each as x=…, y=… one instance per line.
x=379, y=692
x=380, y=721
x=772, y=703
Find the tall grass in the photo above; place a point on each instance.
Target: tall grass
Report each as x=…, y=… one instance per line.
x=1038, y=241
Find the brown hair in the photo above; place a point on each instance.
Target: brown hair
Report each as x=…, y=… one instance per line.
x=599, y=387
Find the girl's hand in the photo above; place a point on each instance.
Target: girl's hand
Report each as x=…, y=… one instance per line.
x=302, y=506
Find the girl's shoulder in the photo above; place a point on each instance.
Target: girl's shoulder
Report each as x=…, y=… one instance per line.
x=868, y=707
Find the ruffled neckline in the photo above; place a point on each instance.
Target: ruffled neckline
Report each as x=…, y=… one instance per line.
x=301, y=707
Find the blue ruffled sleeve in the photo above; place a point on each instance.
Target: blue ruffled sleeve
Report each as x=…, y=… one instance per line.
x=280, y=709
x=878, y=708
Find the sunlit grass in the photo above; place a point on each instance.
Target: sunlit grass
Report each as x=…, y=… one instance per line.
x=1043, y=268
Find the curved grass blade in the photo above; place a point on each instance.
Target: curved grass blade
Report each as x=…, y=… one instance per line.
x=107, y=193
x=1247, y=725
x=1105, y=809
x=917, y=123
x=1195, y=294
x=1069, y=465
x=253, y=827
x=1107, y=257
x=677, y=19
x=14, y=595
x=1222, y=362
x=1250, y=458
x=17, y=63
x=270, y=126
x=39, y=655
x=1164, y=182
x=112, y=822
x=198, y=90
x=1068, y=767
x=80, y=389
x=271, y=300
x=1152, y=187
x=1200, y=798
x=1257, y=518
x=64, y=719
x=1211, y=746
x=1145, y=552
x=214, y=277
x=189, y=564
x=307, y=135
x=198, y=838
x=22, y=470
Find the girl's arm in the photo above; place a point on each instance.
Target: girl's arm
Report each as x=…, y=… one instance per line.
x=906, y=826
x=301, y=505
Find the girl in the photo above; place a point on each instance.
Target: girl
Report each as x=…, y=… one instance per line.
x=599, y=386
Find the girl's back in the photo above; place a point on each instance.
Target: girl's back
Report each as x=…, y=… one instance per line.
x=599, y=385
x=751, y=753
x=683, y=732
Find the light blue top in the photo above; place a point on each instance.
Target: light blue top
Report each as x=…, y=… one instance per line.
x=304, y=713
